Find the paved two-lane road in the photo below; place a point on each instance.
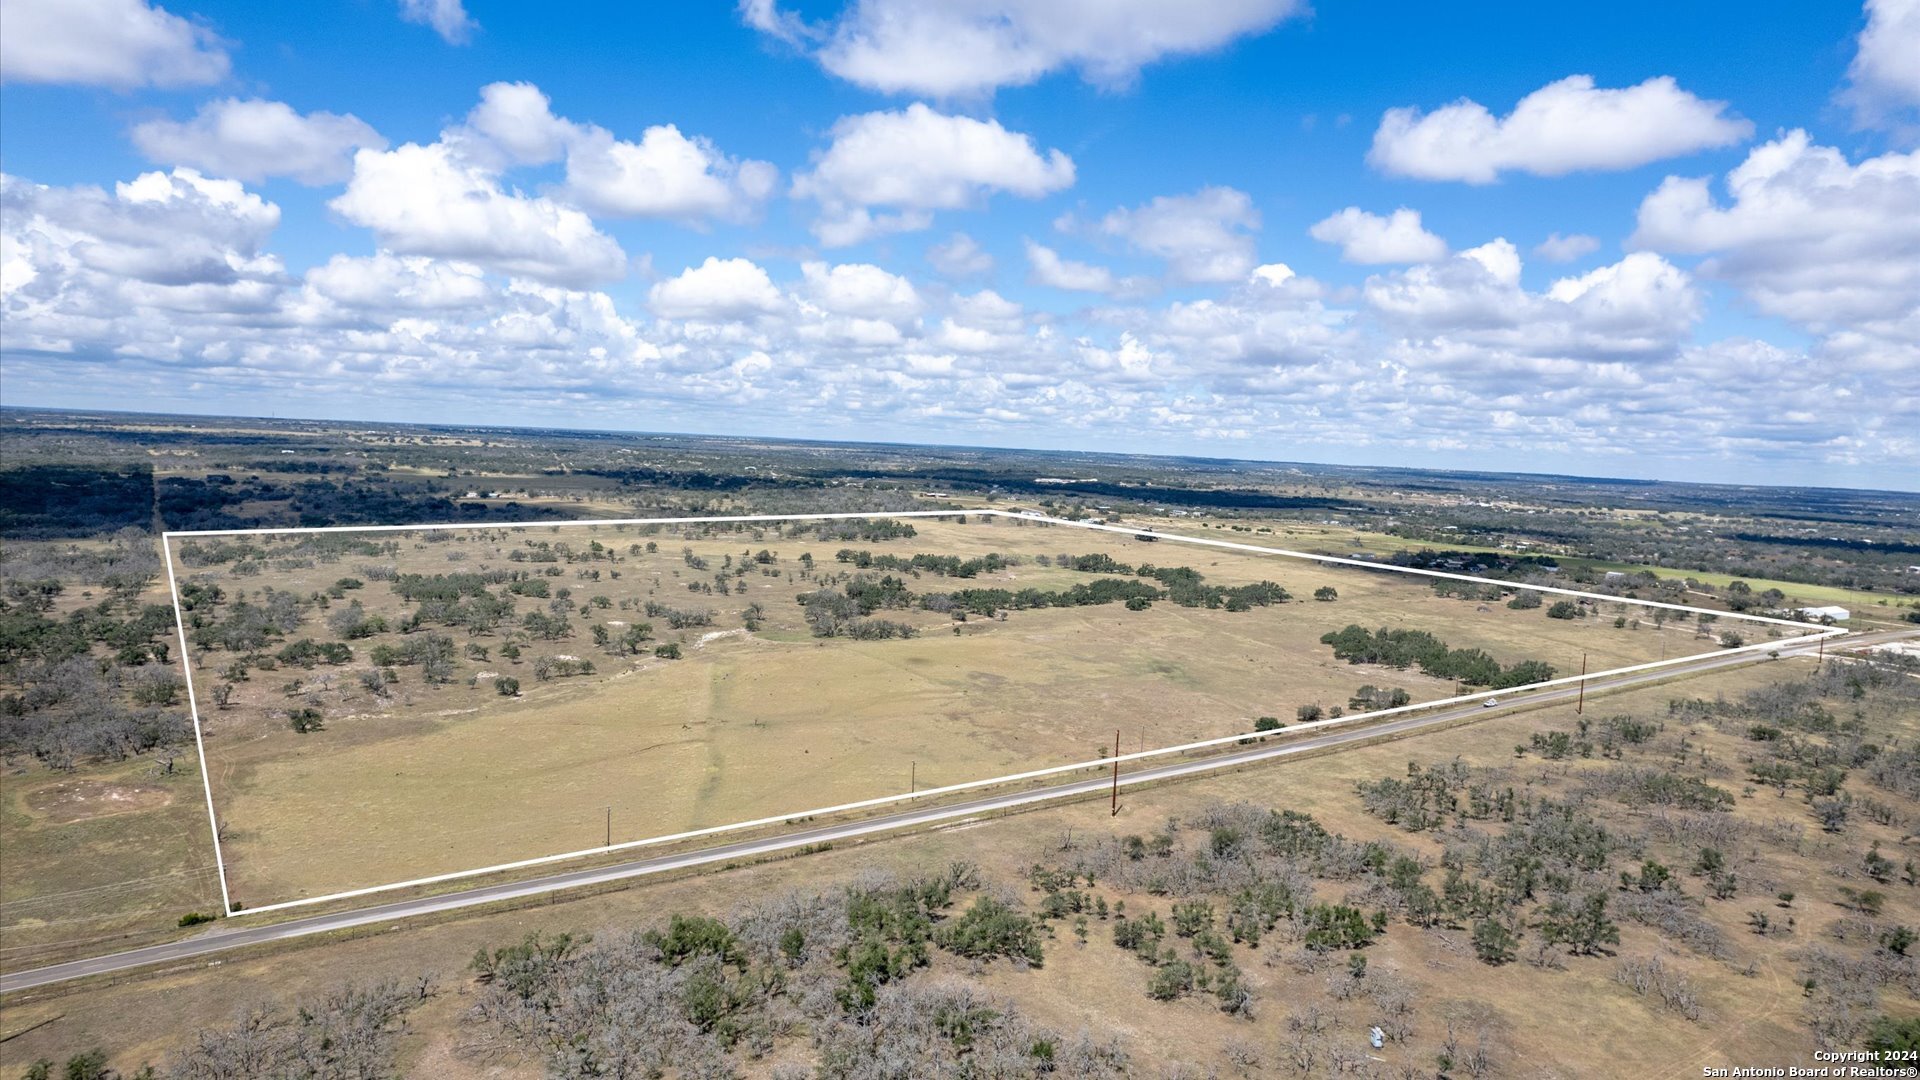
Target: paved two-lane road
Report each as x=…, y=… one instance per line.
x=224, y=939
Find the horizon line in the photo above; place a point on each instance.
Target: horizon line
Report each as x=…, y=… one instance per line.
x=879, y=443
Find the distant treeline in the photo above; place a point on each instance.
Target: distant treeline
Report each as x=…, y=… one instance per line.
x=1860, y=561
x=48, y=502
x=57, y=502
x=1171, y=495
x=219, y=501
x=299, y=465
x=1841, y=542
x=979, y=479
x=699, y=480
x=147, y=436
x=1489, y=564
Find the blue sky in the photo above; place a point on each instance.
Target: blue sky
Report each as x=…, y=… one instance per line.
x=1179, y=222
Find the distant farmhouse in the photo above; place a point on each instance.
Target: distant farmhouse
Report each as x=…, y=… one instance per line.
x=1830, y=612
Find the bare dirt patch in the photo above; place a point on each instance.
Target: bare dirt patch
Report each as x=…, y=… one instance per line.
x=77, y=800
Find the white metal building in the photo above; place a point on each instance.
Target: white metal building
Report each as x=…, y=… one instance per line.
x=1834, y=612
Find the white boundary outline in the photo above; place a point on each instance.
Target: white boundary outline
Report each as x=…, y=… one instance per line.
x=1813, y=632
x=199, y=743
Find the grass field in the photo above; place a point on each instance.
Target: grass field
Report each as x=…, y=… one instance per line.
x=424, y=779
x=1752, y=998
x=100, y=858
x=1862, y=603
x=1340, y=540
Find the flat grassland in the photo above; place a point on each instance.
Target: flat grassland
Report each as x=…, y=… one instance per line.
x=99, y=857
x=409, y=777
x=1753, y=998
x=1876, y=607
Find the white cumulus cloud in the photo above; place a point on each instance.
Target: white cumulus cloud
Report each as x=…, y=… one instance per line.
x=954, y=48
x=862, y=290
x=388, y=282
x=1885, y=75
x=162, y=289
x=1371, y=239
x=121, y=44
x=1807, y=235
x=1046, y=267
x=1273, y=274
x=1565, y=126
x=426, y=200
x=171, y=229
x=134, y=271
x=960, y=257
x=448, y=18
x=1205, y=237
x=1474, y=306
x=718, y=289
x=1557, y=248
x=916, y=160
x=666, y=174
x=254, y=139
x=516, y=119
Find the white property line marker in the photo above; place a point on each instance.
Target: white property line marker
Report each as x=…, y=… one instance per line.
x=199, y=743
x=1815, y=632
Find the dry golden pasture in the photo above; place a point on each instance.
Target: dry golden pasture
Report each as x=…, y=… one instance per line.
x=434, y=779
x=1573, y=1020
x=100, y=858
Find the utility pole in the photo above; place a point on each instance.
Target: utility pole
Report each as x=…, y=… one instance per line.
x=913, y=777
x=1115, y=810
x=1581, y=706
x=609, y=826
